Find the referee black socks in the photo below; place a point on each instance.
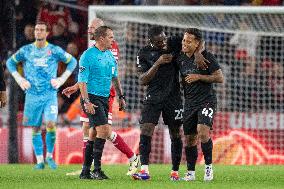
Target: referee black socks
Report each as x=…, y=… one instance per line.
x=145, y=149
x=207, y=151
x=98, y=151
x=89, y=155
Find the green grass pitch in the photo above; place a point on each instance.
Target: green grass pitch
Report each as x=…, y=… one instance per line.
x=16, y=176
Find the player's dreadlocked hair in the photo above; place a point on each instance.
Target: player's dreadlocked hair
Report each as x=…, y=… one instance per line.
x=155, y=31
x=194, y=31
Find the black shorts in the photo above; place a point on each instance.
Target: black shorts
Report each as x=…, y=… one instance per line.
x=171, y=109
x=101, y=112
x=202, y=114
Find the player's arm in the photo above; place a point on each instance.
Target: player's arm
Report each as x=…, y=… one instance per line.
x=118, y=89
x=84, y=72
x=12, y=68
x=147, y=76
x=70, y=90
x=71, y=65
x=215, y=77
x=199, y=59
x=215, y=73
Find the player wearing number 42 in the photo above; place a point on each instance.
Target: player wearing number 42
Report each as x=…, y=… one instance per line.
x=200, y=102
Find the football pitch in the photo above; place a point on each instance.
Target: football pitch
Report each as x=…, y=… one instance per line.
x=252, y=177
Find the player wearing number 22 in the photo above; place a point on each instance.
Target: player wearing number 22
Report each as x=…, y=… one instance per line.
x=200, y=102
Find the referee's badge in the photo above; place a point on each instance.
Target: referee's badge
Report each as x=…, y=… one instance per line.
x=112, y=70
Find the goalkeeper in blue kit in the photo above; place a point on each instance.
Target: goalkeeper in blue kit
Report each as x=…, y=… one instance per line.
x=40, y=83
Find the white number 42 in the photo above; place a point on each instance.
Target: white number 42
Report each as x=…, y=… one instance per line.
x=208, y=112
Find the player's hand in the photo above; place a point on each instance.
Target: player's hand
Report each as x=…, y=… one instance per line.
x=190, y=78
x=165, y=59
x=24, y=84
x=3, y=99
x=56, y=83
x=122, y=104
x=70, y=90
x=201, y=62
x=201, y=47
x=90, y=107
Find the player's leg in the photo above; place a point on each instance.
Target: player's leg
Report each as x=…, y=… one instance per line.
x=85, y=129
x=50, y=138
x=149, y=119
x=33, y=117
x=38, y=147
x=88, y=155
x=119, y=143
x=176, y=150
x=191, y=139
x=205, y=123
x=172, y=115
x=50, y=117
x=103, y=129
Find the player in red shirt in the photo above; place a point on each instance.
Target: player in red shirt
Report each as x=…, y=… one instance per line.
x=114, y=138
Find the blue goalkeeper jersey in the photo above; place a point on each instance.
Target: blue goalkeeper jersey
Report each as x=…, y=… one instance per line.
x=97, y=68
x=40, y=65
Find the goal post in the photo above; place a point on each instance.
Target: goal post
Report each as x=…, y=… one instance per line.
x=248, y=43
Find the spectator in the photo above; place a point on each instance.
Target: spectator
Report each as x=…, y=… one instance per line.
x=60, y=35
x=52, y=13
x=28, y=36
x=64, y=102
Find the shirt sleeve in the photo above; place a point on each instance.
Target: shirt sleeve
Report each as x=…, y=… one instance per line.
x=213, y=65
x=142, y=65
x=19, y=56
x=63, y=55
x=84, y=68
x=66, y=58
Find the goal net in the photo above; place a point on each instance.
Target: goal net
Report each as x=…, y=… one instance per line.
x=249, y=45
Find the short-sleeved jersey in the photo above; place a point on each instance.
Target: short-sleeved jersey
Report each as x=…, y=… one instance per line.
x=197, y=92
x=165, y=82
x=97, y=68
x=40, y=65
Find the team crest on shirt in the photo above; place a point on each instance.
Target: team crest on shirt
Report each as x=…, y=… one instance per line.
x=81, y=69
x=48, y=52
